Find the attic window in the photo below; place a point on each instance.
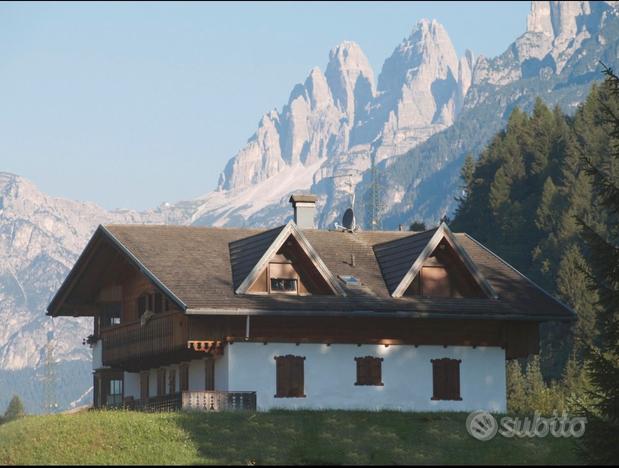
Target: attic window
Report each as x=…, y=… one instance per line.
x=283, y=278
x=283, y=285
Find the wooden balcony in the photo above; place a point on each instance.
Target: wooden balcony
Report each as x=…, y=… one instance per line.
x=202, y=401
x=133, y=346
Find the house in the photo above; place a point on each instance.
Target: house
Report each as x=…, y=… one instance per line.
x=296, y=317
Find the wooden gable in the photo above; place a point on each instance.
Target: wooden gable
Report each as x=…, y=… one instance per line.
x=447, y=268
x=290, y=257
x=444, y=274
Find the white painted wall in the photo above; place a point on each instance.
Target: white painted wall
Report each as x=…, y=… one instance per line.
x=330, y=374
x=221, y=372
x=97, y=355
x=197, y=375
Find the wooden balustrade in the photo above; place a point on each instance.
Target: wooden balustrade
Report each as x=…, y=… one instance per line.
x=201, y=401
x=162, y=333
x=219, y=401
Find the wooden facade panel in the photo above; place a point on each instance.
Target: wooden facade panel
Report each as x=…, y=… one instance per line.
x=519, y=338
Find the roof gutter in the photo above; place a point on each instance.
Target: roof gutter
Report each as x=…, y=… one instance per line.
x=374, y=314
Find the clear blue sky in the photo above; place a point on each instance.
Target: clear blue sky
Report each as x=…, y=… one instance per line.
x=129, y=105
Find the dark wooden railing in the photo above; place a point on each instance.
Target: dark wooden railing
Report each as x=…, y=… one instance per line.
x=203, y=401
x=162, y=333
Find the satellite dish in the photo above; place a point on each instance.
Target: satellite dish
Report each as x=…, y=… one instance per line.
x=348, y=220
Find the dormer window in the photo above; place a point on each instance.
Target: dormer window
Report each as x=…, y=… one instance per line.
x=284, y=285
x=283, y=278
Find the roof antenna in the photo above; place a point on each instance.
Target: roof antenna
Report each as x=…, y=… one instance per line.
x=349, y=222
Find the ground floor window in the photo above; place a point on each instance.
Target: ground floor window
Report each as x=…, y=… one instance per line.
x=115, y=393
x=289, y=376
x=446, y=379
x=369, y=370
x=161, y=382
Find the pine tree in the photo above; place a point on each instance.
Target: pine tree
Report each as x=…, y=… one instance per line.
x=603, y=414
x=417, y=226
x=14, y=410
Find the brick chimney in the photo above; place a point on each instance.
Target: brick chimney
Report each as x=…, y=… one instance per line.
x=304, y=210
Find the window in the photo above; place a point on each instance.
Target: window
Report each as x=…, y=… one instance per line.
x=283, y=278
x=369, y=370
x=283, y=285
x=446, y=379
x=115, y=394
x=144, y=391
x=183, y=377
x=153, y=302
x=109, y=314
x=209, y=374
x=289, y=376
x=161, y=382
x=172, y=381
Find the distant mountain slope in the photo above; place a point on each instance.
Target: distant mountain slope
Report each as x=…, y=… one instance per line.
x=424, y=182
x=40, y=239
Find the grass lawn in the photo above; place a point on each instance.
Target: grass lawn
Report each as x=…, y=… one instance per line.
x=276, y=437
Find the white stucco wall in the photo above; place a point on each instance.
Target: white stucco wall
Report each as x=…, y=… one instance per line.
x=221, y=373
x=97, y=355
x=330, y=374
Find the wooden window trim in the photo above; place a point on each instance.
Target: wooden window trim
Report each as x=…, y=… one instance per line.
x=283, y=385
x=446, y=387
x=364, y=377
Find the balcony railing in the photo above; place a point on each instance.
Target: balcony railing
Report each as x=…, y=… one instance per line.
x=163, y=333
x=203, y=401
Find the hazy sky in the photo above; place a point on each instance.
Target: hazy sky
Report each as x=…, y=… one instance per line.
x=129, y=105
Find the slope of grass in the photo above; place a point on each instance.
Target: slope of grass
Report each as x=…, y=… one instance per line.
x=278, y=437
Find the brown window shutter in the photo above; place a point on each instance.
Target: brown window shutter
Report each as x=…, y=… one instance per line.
x=375, y=366
x=282, y=376
x=453, y=379
x=369, y=370
x=289, y=376
x=209, y=373
x=297, y=383
x=446, y=379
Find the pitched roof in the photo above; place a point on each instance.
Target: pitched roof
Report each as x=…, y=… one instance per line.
x=203, y=266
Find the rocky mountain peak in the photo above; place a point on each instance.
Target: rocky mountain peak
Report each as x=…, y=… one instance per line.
x=351, y=80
